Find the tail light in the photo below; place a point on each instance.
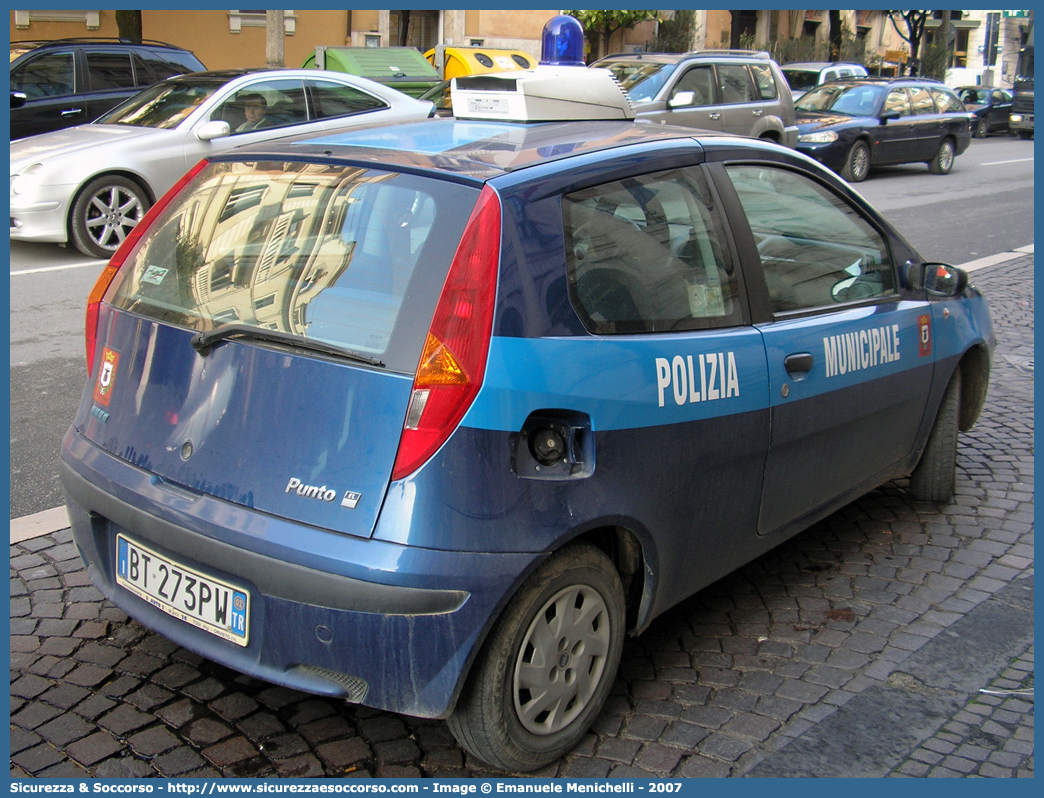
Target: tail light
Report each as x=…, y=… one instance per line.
x=453, y=362
x=112, y=268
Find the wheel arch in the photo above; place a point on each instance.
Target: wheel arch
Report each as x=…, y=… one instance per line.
x=127, y=174
x=975, y=377
x=624, y=547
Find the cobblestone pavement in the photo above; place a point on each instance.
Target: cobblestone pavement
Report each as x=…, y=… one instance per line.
x=893, y=638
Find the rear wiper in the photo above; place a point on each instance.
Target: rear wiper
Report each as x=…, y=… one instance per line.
x=203, y=342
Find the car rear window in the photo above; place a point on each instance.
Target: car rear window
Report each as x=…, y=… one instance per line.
x=348, y=256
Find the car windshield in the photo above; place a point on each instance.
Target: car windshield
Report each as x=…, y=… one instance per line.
x=20, y=49
x=801, y=79
x=162, y=106
x=974, y=96
x=642, y=80
x=859, y=99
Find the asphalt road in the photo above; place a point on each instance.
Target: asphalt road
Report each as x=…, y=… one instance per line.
x=985, y=206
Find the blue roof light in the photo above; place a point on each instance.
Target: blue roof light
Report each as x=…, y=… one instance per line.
x=563, y=42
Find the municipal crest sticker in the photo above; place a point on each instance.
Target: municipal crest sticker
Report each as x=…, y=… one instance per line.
x=110, y=359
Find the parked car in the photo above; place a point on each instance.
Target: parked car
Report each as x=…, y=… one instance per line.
x=429, y=418
x=805, y=75
x=735, y=91
x=90, y=185
x=66, y=82
x=854, y=125
x=990, y=108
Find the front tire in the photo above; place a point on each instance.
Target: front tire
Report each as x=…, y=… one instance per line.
x=982, y=129
x=935, y=478
x=104, y=213
x=548, y=665
x=857, y=164
x=942, y=163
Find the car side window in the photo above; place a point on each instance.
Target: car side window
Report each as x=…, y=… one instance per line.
x=648, y=254
x=1002, y=97
x=921, y=101
x=158, y=69
x=49, y=75
x=335, y=99
x=109, y=71
x=897, y=100
x=946, y=101
x=766, y=83
x=266, y=104
x=816, y=249
x=735, y=83
x=700, y=81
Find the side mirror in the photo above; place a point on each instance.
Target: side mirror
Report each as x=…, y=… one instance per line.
x=18, y=98
x=889, y=115
x=937, y=279
x=215, y=129
x=683, y=99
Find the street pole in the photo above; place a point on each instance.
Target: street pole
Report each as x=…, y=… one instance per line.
x=274, y=39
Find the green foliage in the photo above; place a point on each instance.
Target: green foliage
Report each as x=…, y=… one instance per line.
x=600, y=25
x=933, y=61
x=676, y=35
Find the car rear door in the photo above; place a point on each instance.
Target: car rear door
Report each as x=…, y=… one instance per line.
x=850, y=358
x=110, y=80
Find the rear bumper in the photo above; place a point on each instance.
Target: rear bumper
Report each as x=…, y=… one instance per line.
x=381, y=624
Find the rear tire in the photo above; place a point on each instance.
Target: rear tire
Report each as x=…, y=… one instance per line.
x=548, y=665
x=942, y=163
x=935, y=478
x=104, y=213
x=857, y=164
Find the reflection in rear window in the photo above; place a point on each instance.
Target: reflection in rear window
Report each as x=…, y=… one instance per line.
x=324, y=252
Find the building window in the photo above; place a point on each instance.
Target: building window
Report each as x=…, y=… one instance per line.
x=257, y=18
x=90, y=19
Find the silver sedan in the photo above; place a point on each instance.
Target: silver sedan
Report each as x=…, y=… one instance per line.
x=91, y=184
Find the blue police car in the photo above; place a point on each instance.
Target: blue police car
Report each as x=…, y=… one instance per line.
x=430, y=417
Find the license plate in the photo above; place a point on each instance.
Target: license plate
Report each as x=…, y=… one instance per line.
x=186, y=594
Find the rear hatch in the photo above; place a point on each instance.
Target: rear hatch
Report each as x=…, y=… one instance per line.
x=259, y=343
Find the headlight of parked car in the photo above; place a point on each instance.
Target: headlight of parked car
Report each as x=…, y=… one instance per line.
x=822, y=137
x=26, y=181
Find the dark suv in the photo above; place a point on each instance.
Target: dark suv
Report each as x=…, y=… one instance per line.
x=70, y=82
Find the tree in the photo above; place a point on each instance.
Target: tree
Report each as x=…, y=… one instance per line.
x=913, y=23
x=128, y=25
x=676, y=34
x=606, y=23
x=836, y=34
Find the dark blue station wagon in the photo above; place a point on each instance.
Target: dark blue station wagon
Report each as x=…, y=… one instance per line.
x=430, y=417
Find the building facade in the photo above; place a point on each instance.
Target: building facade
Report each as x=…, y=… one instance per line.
x=986, y=43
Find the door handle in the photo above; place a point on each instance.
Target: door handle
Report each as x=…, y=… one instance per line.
x=800, y=363
x=715, y=116
x=757, y=112
x=72, y=112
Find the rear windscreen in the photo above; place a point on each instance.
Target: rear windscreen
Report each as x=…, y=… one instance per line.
x=348, y=256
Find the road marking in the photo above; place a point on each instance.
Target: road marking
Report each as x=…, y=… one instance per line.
x=56, y=268
x=998, y=163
